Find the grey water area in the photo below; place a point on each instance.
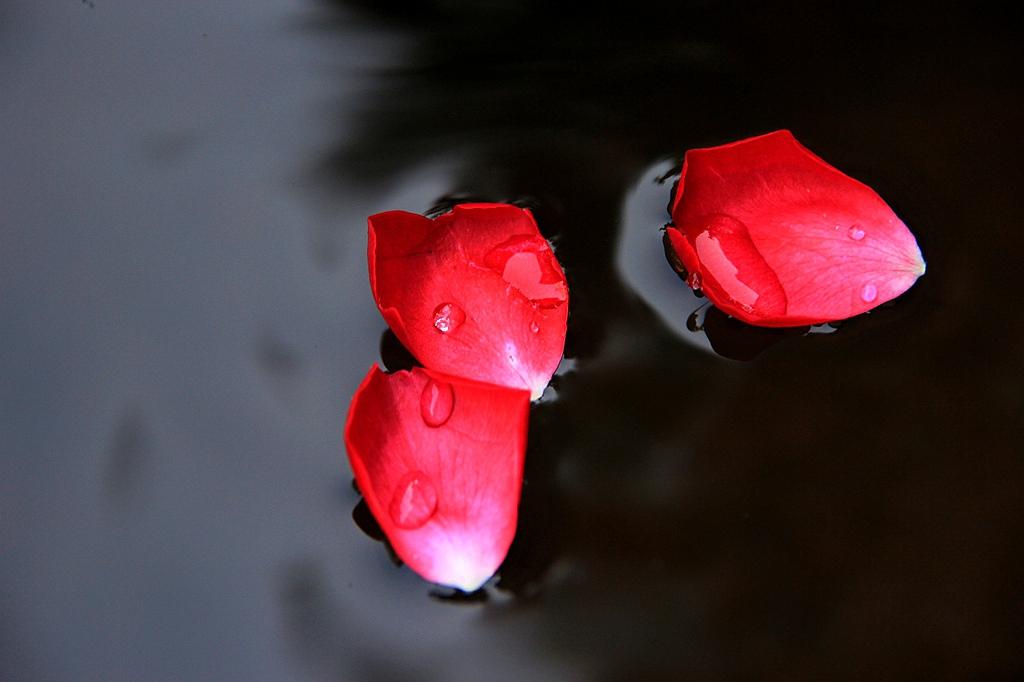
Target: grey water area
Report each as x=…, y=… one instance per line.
x=185, y=314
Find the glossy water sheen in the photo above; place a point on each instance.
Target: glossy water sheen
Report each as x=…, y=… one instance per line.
x=185, y=314
x=729, y=257
x=526, y=263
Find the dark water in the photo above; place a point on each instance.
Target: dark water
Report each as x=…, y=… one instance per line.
x=184, y=315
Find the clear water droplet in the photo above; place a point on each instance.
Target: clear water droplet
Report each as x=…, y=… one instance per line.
x=856, y=233
x=693, y=280
x=437, y=402
x=694, y=322
x=534, y=327
x=448, y=317
x=414, y=501
x=869, y=293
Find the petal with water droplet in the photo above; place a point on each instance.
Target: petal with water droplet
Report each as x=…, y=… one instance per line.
x=445, y=494
x=458, y=290
x=780, y=238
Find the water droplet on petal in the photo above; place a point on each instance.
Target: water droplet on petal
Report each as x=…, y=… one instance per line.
x=448, y=317
x=414, y=501
x=856, y=233
x=437, y=403
x=869, y=293
x=534, y=327
x=693, y=280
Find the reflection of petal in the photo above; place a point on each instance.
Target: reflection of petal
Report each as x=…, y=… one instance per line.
x=475, y=292
x=640, y=254
x=439, y=461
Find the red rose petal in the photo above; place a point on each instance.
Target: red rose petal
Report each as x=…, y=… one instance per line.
x=439, y=461
x=476, y=292
x=777, y=237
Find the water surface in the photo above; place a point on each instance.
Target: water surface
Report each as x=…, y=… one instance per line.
x=184, y=316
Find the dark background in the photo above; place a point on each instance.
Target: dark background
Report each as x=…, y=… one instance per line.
x=184, y=315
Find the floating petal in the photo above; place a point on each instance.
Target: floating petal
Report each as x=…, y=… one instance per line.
x=777, y=237
x=439, y=461
x=476, y=292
